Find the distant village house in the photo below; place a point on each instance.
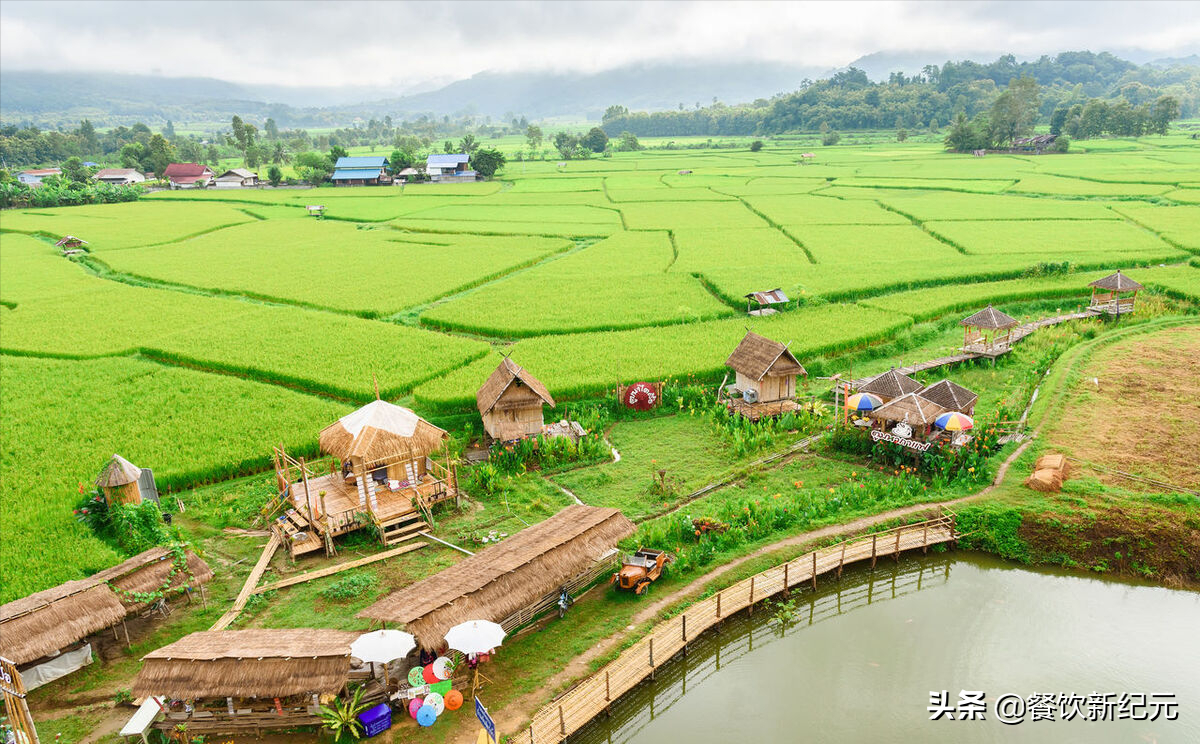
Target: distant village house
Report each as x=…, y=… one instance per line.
x=237, y=178
x=370, y=170
x=188, y=175
x=119, y=176
x=453, y=168
x=35, y=177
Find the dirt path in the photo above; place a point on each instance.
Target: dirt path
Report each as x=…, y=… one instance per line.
x=517, y=714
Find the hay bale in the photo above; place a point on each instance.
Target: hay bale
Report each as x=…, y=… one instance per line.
x=1045, y=480
x=1053, y=462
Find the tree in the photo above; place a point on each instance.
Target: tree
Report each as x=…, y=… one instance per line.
x=533, y=135
x=336, y=152
x=595, y=140
x=134, y=155
x=830, y=138
x=313, y=166
x=243, y=136
x=271, y=128
x=169, y=130
x=628, y=142
x=566, y=143
x=1058, y=119
x=448, y=147
x=756, y=145
x=160, y=153
x=468, y=144
x=401, y=159
x=1062, y=144
x=1162, y=113
x=213, y=157
x=487, y=161
x=961, y=137
x=88, y=137
x=278, y=154
x=1014, y=111
x=74, y=170
x=901, y=135
x=274, y=175
x=615, y=112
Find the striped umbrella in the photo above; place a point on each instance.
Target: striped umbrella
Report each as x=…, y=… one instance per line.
x=954, y=421
x=863, y=402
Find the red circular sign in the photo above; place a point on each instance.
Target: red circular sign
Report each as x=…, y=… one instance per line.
x=640, y=396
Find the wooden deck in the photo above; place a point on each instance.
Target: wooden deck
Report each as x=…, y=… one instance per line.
x=342, y=501
x=571, y=711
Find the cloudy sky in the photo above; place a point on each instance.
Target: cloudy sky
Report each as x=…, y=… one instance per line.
x=418, y=43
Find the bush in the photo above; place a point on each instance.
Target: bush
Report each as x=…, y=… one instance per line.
x=830, y=138
x=756, y=145
x=350, y=587
x=1062, y=144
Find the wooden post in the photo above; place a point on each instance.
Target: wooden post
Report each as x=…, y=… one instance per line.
x=607, y=688
x=203, y=597
x=873, y=539
x=562, y=723
x=897, y=555
x=842, y=562
x=751, y=606
x=718, y=605
x=925, y=537
x=126, y=629
x=651, y=657
x=786, y=584
x=814, y=576
x=685, y=632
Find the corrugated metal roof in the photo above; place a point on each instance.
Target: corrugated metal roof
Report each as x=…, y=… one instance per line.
x=354, y=174
x=453, y=159
x=361, y=161
x=770, y=297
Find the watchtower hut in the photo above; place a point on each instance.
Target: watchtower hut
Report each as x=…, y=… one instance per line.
x=765, y=376
x=511, y=403
x=890, y=385
x=119, y=481
x=1109, y=300
x=986, y=333
x=951, y=396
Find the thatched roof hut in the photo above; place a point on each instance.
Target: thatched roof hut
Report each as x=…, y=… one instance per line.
x=951, y=396
x=149, y=571
x=765, y=368
x=510, y=402
x=989, y=318
x=119, y=481
x=248, y=663
x=380, y=430
x=498, y=581
x=1117, y=282
x=890, y=384
x=911, y=408
x=53, y=619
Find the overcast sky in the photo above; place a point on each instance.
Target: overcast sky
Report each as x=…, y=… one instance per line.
x=409, y=43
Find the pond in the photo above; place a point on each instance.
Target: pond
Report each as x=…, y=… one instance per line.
x=862, y=656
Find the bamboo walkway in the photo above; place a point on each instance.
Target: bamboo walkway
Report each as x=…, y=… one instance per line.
x=579, y=705
x=1017, y=334
x=330, y=570
x=251, y=581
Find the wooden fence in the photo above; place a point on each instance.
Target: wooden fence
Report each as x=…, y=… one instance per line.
x=585, y=701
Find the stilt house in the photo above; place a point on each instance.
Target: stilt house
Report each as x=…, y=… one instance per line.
x=511, y=403
x=765, y=376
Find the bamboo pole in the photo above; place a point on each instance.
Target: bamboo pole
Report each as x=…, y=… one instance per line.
x=873, y=539
x=897, y=554
x=814, y=571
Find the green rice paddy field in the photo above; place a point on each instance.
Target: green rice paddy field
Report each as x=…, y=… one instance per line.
x=203, y=327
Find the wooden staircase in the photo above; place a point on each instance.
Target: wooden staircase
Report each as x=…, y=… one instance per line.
x=401, y=528
x=296, y=533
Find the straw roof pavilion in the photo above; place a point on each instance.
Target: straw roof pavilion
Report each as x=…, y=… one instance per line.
x=951, y=396
x=758, y=356
x=498, y=581
x=1117, y=282
x=379, y=430
x=118, y=472
x=912, y=408
x=53, y=619
x=149, y=570
x=989, y=318
x=508, y=375
x=890, y=384
x=248, y=663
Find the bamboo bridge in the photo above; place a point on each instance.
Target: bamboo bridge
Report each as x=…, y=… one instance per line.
x=596, y=694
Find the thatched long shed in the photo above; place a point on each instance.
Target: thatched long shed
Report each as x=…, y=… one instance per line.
x=503, y=579
x=248, y=664
x=511, y=403
x=54, y=619
x=154, y=570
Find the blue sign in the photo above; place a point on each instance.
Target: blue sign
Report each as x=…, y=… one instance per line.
x=486, y=720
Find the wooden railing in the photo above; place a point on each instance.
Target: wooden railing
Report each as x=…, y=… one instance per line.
x=577, y=706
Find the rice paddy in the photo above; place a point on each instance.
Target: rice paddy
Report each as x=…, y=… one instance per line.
x=205, y=325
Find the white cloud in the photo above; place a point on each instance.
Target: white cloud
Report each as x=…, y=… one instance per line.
x=405, y=43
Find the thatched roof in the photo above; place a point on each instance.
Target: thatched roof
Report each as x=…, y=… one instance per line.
x=148, y=571
x=949, y=395
x=118, y=472
x=911, y=408
x=515, y=385
x=757, y=356
x=248, y=663
x=1117, y=282
x=500, y=580
x=890, y=384
x=380, y=430
x=55, y=618
x=991, y=318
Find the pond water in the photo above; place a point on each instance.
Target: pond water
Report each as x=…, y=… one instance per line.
x=863, y=655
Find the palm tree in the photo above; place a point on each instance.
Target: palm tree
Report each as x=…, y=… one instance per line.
x=342, y=717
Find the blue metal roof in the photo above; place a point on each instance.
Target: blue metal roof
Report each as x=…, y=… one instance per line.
x=354, y=174
x=362, y=161
x=439, y=160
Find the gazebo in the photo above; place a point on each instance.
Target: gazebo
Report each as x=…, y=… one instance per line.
x=914, y=410
x=951, y=396
x=119, y=481
x=511, y=403
x=890, y=385
x=1109, y=300
x=986, y=333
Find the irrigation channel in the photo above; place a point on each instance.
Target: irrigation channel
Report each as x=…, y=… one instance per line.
x=861, y=655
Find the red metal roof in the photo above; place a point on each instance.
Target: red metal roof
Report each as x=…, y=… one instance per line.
x=177, y=171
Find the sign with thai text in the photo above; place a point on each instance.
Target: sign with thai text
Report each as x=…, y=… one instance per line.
x=912, y=444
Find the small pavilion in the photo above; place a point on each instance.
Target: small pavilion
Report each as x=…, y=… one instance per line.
x=987, y=332
x=1110, y=299
x=765, y=376
x=951, y=396
x=764, y=301
x=912, y=409
x=511, y=403
x=890, y=385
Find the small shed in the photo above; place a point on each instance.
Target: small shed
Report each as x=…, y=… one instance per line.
x=71, y=244
x=407, y=174
x=501, y=580
x=237, y=178
x=154, y=570
x=764, y=301
x=951, y=396
x=1117, y=295
x=119, y=481
x=890, y=385
x=986, y=333
x=511, y=403
x=912, y=409
x=765, y=370
x=316, y=210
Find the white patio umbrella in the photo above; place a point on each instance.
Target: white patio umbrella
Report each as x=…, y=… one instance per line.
x=382, y=646
x=475, y=636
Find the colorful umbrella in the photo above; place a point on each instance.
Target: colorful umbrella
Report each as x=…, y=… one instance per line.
x=864, y=402
x=954, y=421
